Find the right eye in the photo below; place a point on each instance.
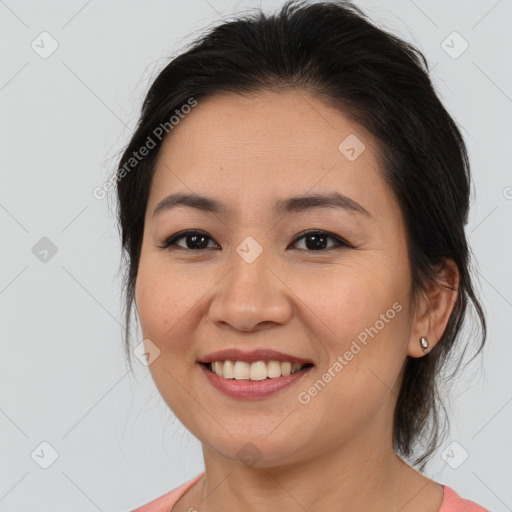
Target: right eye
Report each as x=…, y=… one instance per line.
x=195, y=240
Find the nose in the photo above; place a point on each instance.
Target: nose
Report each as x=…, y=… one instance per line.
x=252, y=296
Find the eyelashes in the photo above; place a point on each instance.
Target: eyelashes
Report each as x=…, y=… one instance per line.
x=200, y=241
x=196, y=235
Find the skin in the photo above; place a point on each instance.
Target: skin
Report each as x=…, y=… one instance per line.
x=334, y=453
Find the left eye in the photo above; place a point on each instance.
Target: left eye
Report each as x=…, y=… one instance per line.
x=317, y=240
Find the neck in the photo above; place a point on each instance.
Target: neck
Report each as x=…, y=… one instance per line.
x=354, y=478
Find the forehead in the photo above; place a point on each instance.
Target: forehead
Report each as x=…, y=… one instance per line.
x=269, y=144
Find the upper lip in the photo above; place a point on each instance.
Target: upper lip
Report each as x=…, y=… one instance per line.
x=251, y=356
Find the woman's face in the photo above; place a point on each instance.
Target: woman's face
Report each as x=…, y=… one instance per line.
x=254, y=281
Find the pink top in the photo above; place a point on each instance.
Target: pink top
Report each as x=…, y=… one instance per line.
x=452, y=502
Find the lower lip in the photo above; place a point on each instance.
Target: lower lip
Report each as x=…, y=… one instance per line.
x=250, y=389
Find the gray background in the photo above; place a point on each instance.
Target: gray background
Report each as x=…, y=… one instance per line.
x=64, y=118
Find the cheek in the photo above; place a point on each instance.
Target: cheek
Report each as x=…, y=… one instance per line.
x=173, y=305
x=361, y=313
x=347, y=299
x=168, y=306
x=163, y=298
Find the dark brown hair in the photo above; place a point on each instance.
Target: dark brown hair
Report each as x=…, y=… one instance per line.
x=332, y=50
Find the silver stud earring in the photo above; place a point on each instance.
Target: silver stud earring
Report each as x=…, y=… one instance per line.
x=424, y=343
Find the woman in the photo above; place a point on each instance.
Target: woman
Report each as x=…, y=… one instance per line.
x=292, y=206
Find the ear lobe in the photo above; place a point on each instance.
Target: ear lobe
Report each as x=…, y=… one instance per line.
x=435, y=309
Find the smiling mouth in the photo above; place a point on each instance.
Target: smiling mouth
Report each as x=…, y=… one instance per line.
x=257, y=371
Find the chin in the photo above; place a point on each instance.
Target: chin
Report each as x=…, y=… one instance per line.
x=258, y=450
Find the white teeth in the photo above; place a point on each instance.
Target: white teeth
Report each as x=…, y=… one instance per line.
x=217, y=367
x=273, y=369
x=227, y=369
x=242, y=370
x=286, y=368
x=260, y=370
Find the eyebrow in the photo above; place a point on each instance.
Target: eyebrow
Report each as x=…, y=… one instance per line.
x=289, y=205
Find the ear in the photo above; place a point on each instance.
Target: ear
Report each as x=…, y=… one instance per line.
x=434, y=309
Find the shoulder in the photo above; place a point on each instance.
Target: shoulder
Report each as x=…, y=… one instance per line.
x=165, y=502
x=452, y=502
